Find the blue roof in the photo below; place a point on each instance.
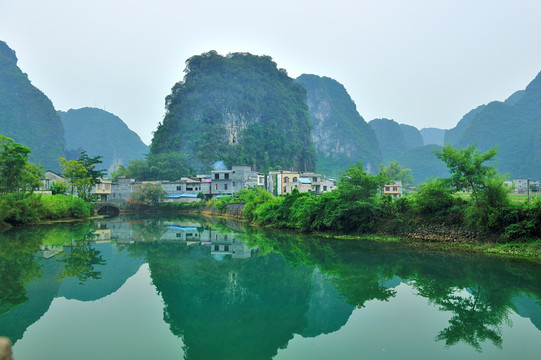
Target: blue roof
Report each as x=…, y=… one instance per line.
x=305, y=181
x=192, y=196
x=182, y=228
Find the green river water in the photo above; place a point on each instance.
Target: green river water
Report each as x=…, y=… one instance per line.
x=175, y=287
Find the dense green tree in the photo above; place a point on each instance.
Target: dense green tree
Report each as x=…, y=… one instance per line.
x=395, y=172
x=467, y=168
x=149, y=193
x=59, y=188
x=17, y=175
x=77, y=175
x=355, y=184
x=167, y=166
x=90, y=163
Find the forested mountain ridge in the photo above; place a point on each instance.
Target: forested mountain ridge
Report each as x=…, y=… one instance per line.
x=412, y=135
x=390, y=137
x=238, y=108
x=340, y=135
x=102, y=133
x=404, y=143
x=514, y=127
x=27, y=115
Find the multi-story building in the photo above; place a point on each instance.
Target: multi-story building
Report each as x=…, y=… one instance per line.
x=394, y=189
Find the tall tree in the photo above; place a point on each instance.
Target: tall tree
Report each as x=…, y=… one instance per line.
x=467, y=168
x=395, y=172
x=16, y=173
x=90, y=164
x=77, y=175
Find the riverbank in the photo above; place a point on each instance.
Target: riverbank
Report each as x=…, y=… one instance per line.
x=429, y=236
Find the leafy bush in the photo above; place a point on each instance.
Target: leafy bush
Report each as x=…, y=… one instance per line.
x=434, y=199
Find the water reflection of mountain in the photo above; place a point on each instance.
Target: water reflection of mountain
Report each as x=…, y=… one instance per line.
x=529, y=307
x=229, y=309
x=117, y=269
x=327, y=311
x=39, y=292
x=245, y=295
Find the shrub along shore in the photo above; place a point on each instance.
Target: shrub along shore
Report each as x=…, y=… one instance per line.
x=471, y=208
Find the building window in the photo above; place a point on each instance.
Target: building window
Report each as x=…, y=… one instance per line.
x=285, y=190
x=179, y=235
x=295, y=179
x=226, y=186
x=286, y=179
x=216, y=248
x=216, y=176
x=189, y=189
x=226, y=248
x=395, y=188
x=179, y=188
x=387, y=188
x=216, y=186
x=314, y=179
x=324, y=188
x=226, y=176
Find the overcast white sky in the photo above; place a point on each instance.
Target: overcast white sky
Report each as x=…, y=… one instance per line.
x=420, y=62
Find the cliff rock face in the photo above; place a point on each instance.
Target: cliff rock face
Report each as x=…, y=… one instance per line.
x=27, y=115
x=240, y=109
x=102, y=133
x=341, y=136
x=513, y=126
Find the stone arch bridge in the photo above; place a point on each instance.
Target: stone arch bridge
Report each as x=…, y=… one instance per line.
x=108, y=209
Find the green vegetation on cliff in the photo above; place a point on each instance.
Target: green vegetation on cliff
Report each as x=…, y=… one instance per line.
x=240, y=109
x=340, y=135
x=27, y=115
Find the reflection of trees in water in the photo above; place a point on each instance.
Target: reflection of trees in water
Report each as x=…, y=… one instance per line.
x=474, y=320
x=360, y=269
x=18, y=266
x=79, y=262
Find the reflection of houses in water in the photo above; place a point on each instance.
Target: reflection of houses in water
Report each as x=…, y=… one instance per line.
x=190, y=233
x=226, y=244
x=48, y=251
x=102, y=235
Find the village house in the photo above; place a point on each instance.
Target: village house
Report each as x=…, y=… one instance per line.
x=122, y=189
x=102, y=190
x=283, y=182
x=47, y=181
x=227, y=182
x=393, y=189
x=522, y=186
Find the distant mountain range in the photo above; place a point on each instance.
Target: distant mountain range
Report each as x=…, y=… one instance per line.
x=28, y=117
x=102, y=133
x=242, y=109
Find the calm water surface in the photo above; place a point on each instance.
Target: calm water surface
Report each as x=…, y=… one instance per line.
x=173, y=287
